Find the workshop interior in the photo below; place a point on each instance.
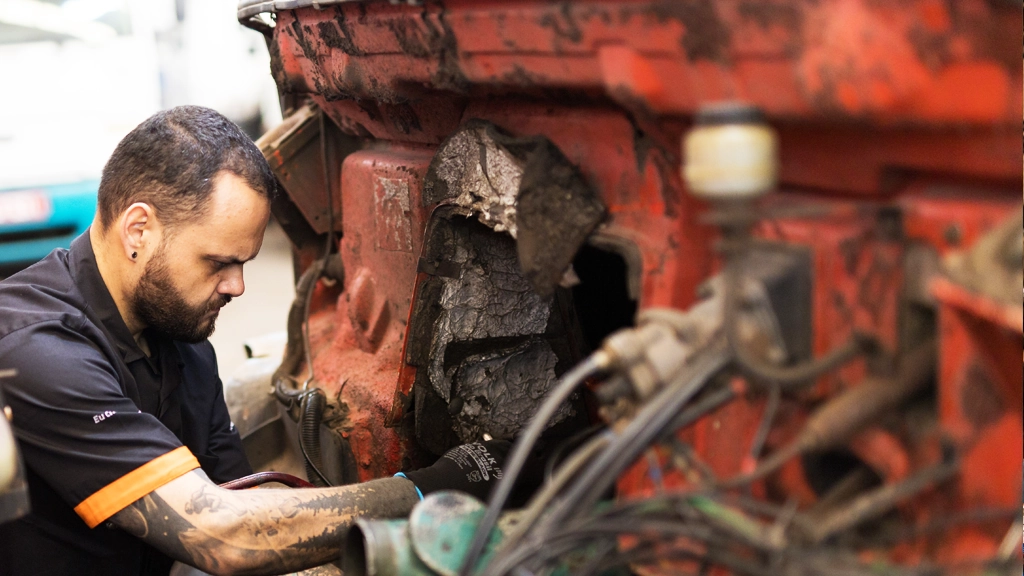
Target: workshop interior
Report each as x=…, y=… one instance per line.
x=748, y=274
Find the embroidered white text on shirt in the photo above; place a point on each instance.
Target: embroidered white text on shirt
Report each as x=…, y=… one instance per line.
x=101, y=417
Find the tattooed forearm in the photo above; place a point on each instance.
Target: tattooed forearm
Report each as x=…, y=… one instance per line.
x=206, y=498
x=258, y=531
x=153, y=520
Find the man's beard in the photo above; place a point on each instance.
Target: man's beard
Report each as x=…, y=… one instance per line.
x=160, y=306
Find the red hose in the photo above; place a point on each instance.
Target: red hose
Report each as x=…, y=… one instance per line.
x=264, y=477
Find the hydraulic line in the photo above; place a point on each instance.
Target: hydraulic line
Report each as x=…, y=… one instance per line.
x=587, y=532
x=566, y=472
x=312, y=414
x=590, y=366
x=880, y=500
x=785, y=377
x=297, y=346
x=707, y=403
x=845, y=414
x=260, y=478
x=583, y=455
x=652, y=420
x=573, y=443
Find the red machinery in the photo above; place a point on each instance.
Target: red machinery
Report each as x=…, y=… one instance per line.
x=502, y=185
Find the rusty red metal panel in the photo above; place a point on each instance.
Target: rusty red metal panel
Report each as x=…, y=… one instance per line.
x=357, y=341
x=833, y=59
x=951, y=217
x=898, y=128
x=980, y=403
x=396, y=72
x=857, y=269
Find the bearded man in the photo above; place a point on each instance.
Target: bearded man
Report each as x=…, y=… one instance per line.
x=117, y=406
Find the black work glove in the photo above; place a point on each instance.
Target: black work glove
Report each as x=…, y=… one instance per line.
x=472, y=468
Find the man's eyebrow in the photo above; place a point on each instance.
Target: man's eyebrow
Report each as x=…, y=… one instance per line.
x=228, y=259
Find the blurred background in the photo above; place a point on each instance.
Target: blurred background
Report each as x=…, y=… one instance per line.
x=78, y=75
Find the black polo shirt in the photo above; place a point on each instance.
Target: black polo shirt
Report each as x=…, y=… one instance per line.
x=99, y=423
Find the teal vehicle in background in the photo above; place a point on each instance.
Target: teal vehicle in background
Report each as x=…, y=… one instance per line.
x=87, y=74
x=34, y=221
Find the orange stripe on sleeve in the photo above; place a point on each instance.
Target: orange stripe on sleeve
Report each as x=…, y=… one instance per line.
x=115, y=496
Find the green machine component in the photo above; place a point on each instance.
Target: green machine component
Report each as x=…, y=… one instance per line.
x=431, y=542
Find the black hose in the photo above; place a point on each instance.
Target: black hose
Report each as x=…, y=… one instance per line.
x=785, y=377
x=295, y=348
x=523, y=446
x=313, y=403
x=653, y=420
x=706, y=404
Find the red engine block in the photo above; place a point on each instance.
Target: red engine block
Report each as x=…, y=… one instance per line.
x=898, y=133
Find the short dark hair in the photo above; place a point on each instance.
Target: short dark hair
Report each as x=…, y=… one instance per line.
x=170, y=161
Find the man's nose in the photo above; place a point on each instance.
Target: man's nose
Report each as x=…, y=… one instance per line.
x=233, y=285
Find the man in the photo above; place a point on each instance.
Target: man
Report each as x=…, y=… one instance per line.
x=117, y=406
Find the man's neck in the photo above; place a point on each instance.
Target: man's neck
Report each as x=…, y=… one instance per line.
x=112, y=271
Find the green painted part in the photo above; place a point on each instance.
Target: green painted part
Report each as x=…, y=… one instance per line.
x=442, y=527
x=387, y=551
x=728, y=516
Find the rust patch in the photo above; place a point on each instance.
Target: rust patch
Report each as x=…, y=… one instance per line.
x=563, y=24
x=448, y=75
x=519, y=76
x=299, y=32
x=932, y=48
x=979, y=397
x=335, y=34
x=642, y=144
x=402, y=117
x=421, y=42
x=706, y=36
x=785, y=16
x=277, y=68
x=767, y=15
x=671, y=196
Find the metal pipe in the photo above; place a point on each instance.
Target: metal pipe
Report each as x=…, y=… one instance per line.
x=878, y=501
x=381, y=548
x=842, y=416
x=785, y=377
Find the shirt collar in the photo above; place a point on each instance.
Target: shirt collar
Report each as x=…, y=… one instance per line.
x=97, y=297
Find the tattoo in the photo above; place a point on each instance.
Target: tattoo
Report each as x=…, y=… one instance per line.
x=155, y=521
x=132, y=521
x=260, y=531
x=206, y=499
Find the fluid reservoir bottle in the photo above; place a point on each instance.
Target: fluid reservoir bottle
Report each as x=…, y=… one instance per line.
x=730, y=153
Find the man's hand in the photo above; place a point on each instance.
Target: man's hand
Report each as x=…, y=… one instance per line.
x=472, y=468
x=266, y=531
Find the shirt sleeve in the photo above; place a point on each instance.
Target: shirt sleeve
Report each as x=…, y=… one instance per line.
x=78, y=430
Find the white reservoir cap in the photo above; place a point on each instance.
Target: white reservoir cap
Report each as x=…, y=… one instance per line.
x=730, y=153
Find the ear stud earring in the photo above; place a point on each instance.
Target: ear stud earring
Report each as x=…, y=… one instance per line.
x=134, y=255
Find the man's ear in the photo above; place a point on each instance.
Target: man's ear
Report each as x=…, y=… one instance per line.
x=139, y=231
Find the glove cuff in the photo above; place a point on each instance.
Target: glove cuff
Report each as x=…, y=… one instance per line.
x=418, y=491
